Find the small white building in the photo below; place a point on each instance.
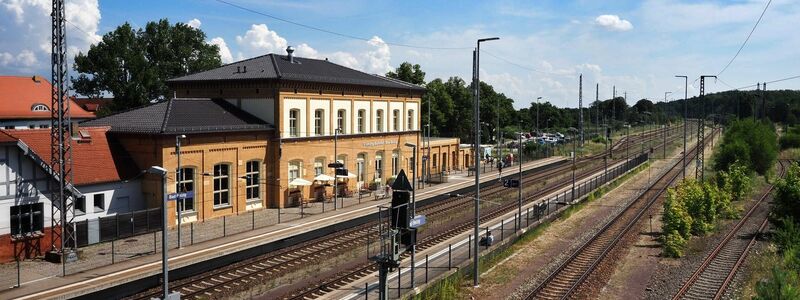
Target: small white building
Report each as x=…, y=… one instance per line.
x=103, y=174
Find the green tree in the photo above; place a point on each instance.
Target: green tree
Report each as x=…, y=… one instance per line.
x=786, y=203
x=752, y=143
x=134, y=64
x=735, y=181
x=408, y=73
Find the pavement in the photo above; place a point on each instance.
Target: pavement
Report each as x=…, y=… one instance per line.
x=45, y=282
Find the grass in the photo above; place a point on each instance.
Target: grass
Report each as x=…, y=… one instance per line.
x=456, y=285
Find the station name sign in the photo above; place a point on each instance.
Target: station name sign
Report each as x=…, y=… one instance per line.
x=379, y=143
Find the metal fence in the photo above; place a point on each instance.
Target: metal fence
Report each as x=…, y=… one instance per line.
x=459, y=253
x=106, y=229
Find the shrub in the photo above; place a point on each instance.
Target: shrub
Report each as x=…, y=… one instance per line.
x=757, y=137
x=736, y=181
x=673, y=244
x=784, y=284
x=787, y=195
x=676, y=218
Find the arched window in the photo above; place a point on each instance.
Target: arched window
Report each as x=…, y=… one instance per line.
x=341, y=120
x=222, y=184
x=295, y=168
x=379, y=120
x=319, y=165
x=39, y=107
x=185, y=184
x=362, y=115
x=319, y=121
x=294, y=123
x=396, y=120
x=410, y=120
x=361, y=167
x=378, y=165
x=252, y=180
x=395, y=162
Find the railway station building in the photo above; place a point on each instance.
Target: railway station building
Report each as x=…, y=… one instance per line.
x=262, y=132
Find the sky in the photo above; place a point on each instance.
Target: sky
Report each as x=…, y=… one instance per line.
x=637, y=46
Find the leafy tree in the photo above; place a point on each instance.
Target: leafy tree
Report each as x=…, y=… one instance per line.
x=676, y=217
x=786, y=202
x=759, y=140
x=408, y=73
x=736, y=181
x=134, y=64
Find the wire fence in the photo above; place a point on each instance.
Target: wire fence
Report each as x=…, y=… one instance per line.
x=457, y=255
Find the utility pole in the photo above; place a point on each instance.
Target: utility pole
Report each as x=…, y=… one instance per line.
x=628, y=131
x=685, y=117
x=664, y=147
x=179, y=188
x=764, y=101
x=580, y=106
x=519, y=186
x=477, y=110
x=611, y=124
x=62, y=230
x=597, y=106
x=701, y=130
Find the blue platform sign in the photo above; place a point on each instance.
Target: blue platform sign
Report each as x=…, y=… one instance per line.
x=184, y=195
x=417, y=221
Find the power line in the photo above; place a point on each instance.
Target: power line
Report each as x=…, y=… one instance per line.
x=747, y=39
x=525, y=67
x=344, y=35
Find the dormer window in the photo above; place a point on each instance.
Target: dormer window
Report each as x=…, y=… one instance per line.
x=39, y=107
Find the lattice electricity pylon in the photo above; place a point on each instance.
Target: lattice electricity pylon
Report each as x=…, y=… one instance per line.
x=62, y=234
x=580, y=107
x=701, y=137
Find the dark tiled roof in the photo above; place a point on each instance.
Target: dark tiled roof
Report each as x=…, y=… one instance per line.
x=274, y=66
x=182, y=116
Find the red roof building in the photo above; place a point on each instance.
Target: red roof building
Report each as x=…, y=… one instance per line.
x=95, y=159
x=25, y=103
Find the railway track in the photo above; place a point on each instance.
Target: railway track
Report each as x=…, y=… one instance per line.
x=714, y=275
x=237, y=276
x=571, y=274
x=347, y=277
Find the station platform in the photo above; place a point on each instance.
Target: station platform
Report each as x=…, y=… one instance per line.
x=280, y=235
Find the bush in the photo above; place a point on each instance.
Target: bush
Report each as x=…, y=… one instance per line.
x=736, y=181
x=753, y=143
x=676, y=218
x=673, y=244
x=786, y=202
x=784, y=284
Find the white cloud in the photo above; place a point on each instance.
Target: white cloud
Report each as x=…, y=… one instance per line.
x=613, y=22
x=379, y=57
x=224, y=51
x=260, y=40
x=304, y=50
x=194, y=23
x=28, y=49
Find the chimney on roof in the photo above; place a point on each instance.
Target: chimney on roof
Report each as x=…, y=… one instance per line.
x=290, y=53
x=37, y=79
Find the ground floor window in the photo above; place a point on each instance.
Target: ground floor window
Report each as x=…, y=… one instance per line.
x=185, y=185
x=222, y=185
x=27, y=218
x=252, y=180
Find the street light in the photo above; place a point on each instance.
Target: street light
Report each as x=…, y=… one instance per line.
x=413, y=205
x=685, y=117
x=179, y=180
x=477, y=110
x=537, y=115
x=164, y=257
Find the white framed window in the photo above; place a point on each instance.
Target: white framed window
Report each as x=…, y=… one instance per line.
x=410, y=120
x=341, y=120
x=40, y=107
x=379, y=120
x=294, y=169
x=395, y=162
x=361, y=120
x=361, y=169
x=379, y=165
x=294, y=122
x=319, y=121
x=252, y=180
x=186, y=184
x=222, y=185
x=319, y=166
x=396, y=120
x=99, y=202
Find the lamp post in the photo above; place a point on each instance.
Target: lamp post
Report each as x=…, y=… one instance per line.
x=164, y=257
x=685, y=117
x=537, y=114
x=413, y=206
x=665, y=127
x=519, y=186
x=179, y=179
x=477, y=110
x=335, y=160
